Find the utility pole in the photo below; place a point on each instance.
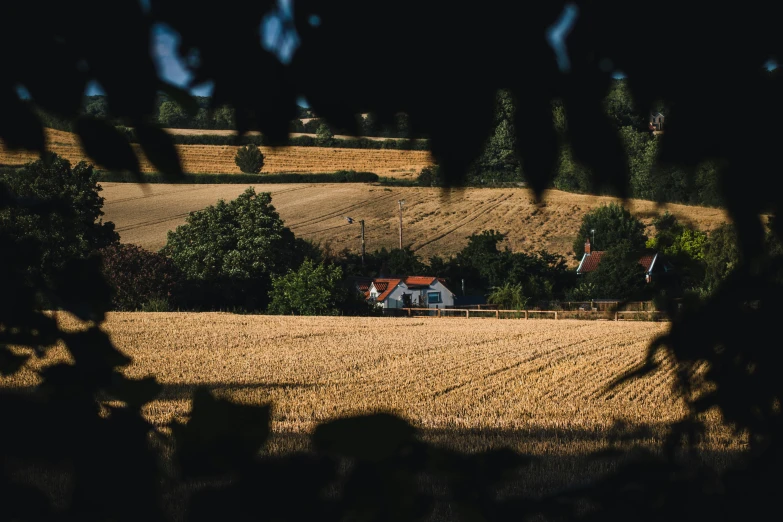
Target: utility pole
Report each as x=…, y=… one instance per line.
x=400, y=202
x=350, y=221
x=361, y=222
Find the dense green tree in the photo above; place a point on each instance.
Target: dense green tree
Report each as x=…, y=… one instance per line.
x=138, y=277
x=621, y=109
x=613, y=224
x=400, y=262
x=324, y=134
x=230, y=251
x=97, y=107
x=66, y=223
x=571, y=176
x=721, y=256
x=619, y=275
x=249, y=159
x=683, y=247
x=312, y=289
x=223, y=118
x=171, y=115
x=499, y=160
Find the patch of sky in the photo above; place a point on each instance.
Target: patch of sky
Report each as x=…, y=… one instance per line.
x=557, y=33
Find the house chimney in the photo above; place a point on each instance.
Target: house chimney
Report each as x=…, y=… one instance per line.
x=587, y=246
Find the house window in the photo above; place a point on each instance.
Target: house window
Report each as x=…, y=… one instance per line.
x=433, y=297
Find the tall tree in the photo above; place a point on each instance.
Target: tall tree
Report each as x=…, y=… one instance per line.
x=612, y=224
x=66, y=223
x=171, y=115
x=230, y=251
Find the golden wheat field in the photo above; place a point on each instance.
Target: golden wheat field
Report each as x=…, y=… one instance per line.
x=536, y=385
x=435, y=221
x=199, y=159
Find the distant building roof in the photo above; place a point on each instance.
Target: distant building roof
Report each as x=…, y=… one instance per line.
x=591, y=261
x=385, y=286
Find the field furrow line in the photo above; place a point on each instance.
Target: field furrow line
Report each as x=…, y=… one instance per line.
x=157, y=194
x=338, y=212
x=421, y=378
x=531, y=357
x=143, y=224
x=464, y=221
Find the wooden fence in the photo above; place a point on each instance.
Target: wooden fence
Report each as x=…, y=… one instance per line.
x=636, y=315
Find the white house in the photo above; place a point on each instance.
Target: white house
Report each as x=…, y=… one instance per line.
x=656, y=122
x=410, y=291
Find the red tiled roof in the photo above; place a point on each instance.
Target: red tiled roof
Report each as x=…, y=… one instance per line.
x=364, y=287
x=419, y=280
x=646, y=261
x=385, y=287
x=591, y=262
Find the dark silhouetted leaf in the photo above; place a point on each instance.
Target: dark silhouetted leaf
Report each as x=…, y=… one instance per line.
x=135, y=392
x=20, y=128
x=159, y=148
x=220, y=436
x=10, y=363
x=106, y=145
x=372, y=437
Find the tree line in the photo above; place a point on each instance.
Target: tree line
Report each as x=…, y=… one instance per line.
x=240, y=256
x=498, y=162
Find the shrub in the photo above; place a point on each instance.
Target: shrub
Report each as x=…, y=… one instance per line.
x=156, y=305
x=249, y=159
x=324, y=135
x=310, y=290
x=430, y=177
x=508, y=297
x=139, y=279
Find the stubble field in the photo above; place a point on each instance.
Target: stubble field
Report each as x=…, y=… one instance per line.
x=219, y=159
x=537, y=386
x=435, y=221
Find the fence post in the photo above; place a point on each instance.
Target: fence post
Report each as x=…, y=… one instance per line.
x=555, y=315
x=409, y=312
x=615, y=316
x=467, y=314
x=525, y=314
x=497, y=314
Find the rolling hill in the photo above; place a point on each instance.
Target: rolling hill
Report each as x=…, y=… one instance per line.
x=435, y=221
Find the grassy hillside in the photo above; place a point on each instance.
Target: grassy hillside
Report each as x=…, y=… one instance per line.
x=435, y=221
x=219, y=159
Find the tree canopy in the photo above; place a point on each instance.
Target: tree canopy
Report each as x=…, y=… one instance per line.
x=309, y=290
x=612, y=224
x=236, y=247
x=66, y=223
